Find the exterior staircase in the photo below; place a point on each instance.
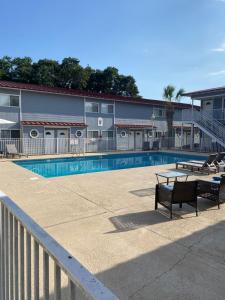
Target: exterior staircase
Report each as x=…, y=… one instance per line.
x=207, y=124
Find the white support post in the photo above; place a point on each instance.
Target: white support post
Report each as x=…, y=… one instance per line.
x=182, y=135
x=192, y=123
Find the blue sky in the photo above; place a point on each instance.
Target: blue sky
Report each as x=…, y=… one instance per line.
x=159, y=42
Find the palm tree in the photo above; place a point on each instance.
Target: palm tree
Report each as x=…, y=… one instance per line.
x=170, y=96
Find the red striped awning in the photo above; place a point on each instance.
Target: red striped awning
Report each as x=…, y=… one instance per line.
x=47, y=123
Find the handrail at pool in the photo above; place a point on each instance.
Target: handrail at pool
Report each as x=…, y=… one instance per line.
x=15, y=226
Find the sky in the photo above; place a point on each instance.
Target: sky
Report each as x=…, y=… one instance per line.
x=158, y=42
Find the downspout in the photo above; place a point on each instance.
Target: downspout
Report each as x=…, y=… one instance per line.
x=114, y=127
x=21, y=119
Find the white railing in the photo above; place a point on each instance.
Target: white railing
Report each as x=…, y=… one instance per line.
x=24, y=276
x=40, y=146
x=80, y=146
x=206, y=121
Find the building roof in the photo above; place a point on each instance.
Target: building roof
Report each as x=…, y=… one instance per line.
x=73, y=92
x=206, y=92
x=47, y=123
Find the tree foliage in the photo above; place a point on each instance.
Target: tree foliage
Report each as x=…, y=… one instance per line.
x=68, y=74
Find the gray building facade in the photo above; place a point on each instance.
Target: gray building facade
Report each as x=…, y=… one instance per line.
x=38, y=112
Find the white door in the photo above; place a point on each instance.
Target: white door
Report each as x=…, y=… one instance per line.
x=49, y=141
x=131, y=140
x=207, y=106
x=62, y=141
x=138, y=140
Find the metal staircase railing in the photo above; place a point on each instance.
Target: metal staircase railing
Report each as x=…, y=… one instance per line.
x=207, y=123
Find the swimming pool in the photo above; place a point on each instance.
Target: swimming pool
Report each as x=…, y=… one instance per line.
x=89, y=164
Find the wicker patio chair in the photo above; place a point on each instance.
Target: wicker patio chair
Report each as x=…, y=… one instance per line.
x=212, y=190
x=178, y=193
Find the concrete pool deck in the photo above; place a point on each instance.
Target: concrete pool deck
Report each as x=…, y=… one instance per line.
x=107, y=221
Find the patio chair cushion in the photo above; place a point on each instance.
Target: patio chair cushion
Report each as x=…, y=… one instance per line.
x=167, y=187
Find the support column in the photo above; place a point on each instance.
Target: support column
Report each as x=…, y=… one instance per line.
x=192, y=123
x=182, y=135
x=192, y=137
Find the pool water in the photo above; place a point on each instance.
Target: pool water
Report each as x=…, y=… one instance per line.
x=89, y=164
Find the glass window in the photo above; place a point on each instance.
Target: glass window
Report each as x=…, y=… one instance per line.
x=4, y=100
x=15, y=134
x=123, y=134
x=159, y=112
x=91, y=107
x=93, y=134
x=107, y=108
x=107, y=134
x=79, y=133
x=34, y=133
x=9, y=100
x=14, y=100
x=5, y=134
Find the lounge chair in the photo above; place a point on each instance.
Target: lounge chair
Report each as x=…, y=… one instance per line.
x=12, y=151
x=218, y=161
x=210, y=160
x=212, y=190
x=177, y=193
x=207, y=166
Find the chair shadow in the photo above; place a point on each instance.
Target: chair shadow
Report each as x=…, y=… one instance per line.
x=144, y=192
x=133, y=221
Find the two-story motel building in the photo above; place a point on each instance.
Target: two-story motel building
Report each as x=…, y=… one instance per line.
x=46, y=112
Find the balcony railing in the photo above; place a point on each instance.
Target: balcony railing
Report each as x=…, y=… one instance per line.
x=23, y=276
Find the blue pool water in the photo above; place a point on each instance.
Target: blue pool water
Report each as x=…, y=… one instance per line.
x=89, y=164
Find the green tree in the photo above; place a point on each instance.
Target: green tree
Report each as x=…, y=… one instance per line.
x=22, y=69
x=72, y=74
x=95, y=82
x=5, y=68
x=126, y=86
x=45, y=72
x=170, y=97
x=68, y=74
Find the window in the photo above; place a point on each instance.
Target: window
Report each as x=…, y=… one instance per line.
x=5, y=134
x=108, y=134
x=78, y=133
x=107, y=108
x=15, y=134
x=123, y=134
x=34, y=133
x=91, y=107
x=159, y=112
x=10, y=134
x=9, y=100
x=93, y=134
x=14, y=100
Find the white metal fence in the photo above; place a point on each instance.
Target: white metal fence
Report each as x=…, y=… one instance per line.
x=32, y=262
x=40, y=146
x=78, y=146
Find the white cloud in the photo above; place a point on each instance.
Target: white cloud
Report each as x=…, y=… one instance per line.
x=221, y=48
x=218, y=73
